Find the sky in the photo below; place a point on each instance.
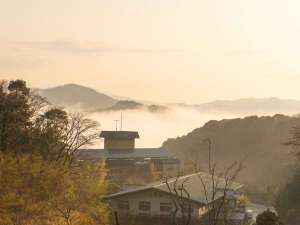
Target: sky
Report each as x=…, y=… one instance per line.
x=188, y=51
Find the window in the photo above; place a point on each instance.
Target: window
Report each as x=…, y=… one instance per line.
x=144, y=206
x=123, y=205
x=165, y=207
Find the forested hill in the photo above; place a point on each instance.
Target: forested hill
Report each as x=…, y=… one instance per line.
x=73, y=95
x=257, y=141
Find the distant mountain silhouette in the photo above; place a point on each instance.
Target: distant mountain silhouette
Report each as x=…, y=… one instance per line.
x=122, y=105
x=87, y=99
x=77, y=96
x=133, y=105
x=257, y=141
x=250, y=106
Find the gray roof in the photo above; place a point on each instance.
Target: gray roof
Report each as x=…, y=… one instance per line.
x=119, y=134
x=123, y=154
x=192, y=184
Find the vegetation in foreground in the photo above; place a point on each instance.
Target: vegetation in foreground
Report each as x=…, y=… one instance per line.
x=40, y=182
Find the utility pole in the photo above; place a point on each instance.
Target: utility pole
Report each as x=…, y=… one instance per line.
x=116, y=121
x=121, y=121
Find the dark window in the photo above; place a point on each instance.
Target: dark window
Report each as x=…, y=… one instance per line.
x=123, y=205
x=144, y=206
x=165, y=207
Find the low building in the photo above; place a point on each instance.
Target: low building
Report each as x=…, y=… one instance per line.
x=125, y=163
x=159, y=199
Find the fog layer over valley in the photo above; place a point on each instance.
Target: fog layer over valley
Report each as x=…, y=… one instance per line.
x=155, y=128
x=156, y=122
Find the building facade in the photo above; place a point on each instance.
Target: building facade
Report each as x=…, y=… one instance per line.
x=127, y=164
x=159, y=199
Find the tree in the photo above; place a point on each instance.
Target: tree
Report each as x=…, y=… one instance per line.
x=181, y=201
x=242, y=201
x=39, y=181
x=15, y=116
x=34, y=191
x=218, y=207
x=288, y=201
x=267, y=218
x=29, y=124
x=58, y=135
x=214, y=184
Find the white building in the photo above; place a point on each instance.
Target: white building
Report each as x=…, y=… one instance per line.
x=160, y=198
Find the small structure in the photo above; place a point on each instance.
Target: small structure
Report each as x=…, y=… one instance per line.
x=119, y=140
x=157, y=199
x=125, y=162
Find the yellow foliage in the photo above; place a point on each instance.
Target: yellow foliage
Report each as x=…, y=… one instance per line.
x=243, y=201
x=34, y=191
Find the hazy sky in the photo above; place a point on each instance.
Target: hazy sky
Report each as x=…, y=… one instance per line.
x=161, y=50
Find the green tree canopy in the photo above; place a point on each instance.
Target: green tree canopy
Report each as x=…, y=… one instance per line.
x=29, y=124
x=40, y=181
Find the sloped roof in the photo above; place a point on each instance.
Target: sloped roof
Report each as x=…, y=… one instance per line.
x=123, y=154
x=119, y=134
x=192, y=184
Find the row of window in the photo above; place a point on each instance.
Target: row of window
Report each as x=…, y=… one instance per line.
x=146, y=206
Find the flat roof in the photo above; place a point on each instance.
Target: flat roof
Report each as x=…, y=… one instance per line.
x=119, y=134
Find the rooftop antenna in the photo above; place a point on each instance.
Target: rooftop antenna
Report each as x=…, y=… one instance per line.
x=121, y=121
x=116, y=121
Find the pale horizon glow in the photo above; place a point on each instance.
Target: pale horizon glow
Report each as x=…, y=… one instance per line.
x=165, y=51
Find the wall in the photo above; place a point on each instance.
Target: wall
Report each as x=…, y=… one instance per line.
x=118, y=144
x=153, y=196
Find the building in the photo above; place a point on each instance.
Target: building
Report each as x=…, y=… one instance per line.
x=127, y=164
x=157, y=199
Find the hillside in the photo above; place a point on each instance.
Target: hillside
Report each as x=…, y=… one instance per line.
x=257, y=141
x=76, y=96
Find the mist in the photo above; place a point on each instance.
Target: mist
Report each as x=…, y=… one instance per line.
x=155, y=128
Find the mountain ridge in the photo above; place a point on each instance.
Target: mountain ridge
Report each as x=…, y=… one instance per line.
x=257, y=141
x=88, y=99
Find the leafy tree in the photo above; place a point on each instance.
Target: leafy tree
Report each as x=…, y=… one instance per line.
x=288, y=201
x=243, y=201
x=15, y=116
x=29, y=124
x=34, y=191
x=38, y=143
x=267, y=218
